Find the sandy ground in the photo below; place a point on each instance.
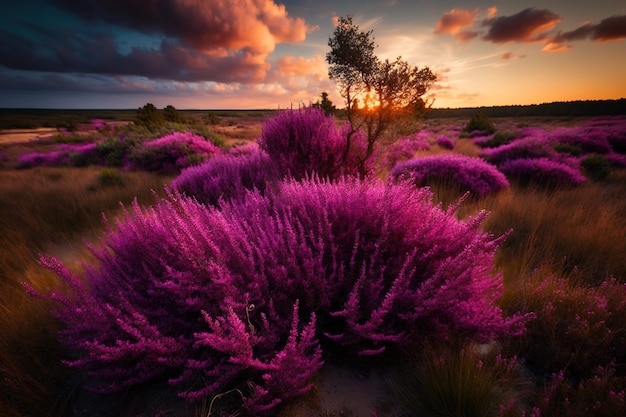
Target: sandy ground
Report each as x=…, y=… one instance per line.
x=25, y=135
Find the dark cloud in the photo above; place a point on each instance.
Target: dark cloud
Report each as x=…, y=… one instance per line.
x=610, y=29
x=529, y=25
x=256, y=25
x=97, y=53
x=193, y=41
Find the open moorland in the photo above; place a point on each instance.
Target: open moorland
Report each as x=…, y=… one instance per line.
x=244, y=263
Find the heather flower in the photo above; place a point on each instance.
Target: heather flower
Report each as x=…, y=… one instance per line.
x=445, y=142
x=173, y=152
x=591, y=139
x=530, y=147
x=404, y=148
x=227, y=177
x=33, y=159
x=541, y=171
x=304, y=142
x=99, y=124
x=471, y=174
x=243, y=291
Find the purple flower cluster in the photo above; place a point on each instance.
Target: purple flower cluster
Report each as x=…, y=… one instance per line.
x=444, y=142
x=555, y=156
x=173, y=152
x=541, y=170
x=227, y=176
x=404, y=148
x=304, y=142
x=471, y=174
x=241, y=293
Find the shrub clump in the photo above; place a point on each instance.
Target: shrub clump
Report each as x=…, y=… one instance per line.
x=479, y=122
x=445, y=142
x=227, y=177
x=173, y=152
x=239, y=296
x=541, y=171
x=471, y=174
x=596, y=167
x=304, y=142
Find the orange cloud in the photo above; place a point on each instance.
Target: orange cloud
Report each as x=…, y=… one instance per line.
x=455, y=20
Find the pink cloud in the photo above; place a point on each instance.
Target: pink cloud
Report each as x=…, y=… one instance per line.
x=455, y=20
x=529, y=25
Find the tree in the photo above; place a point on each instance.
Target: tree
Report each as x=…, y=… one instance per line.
x=326, y=105
x=387, y=90
x=149, y=116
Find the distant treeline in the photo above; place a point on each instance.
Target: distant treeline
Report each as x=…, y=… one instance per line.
x=566, y=108
x=71, y=118
x=33, y=118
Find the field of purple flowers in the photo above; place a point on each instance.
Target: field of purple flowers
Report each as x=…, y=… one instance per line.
x=263, y=263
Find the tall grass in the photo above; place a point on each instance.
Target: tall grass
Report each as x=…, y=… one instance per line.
x=581, y=229
x=46, y=210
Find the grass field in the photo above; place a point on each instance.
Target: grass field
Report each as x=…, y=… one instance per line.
x=566, y=249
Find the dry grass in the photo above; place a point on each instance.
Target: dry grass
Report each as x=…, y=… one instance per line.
x=581, y=229
x=46, y=210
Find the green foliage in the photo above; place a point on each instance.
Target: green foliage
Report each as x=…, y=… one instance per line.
x=479, y=121
x=325, y=104
x=109, y=177
x=596, y=167
x=149, y=116
x=574, y=150
x=113, y=150
x=456, y=381
x=499, y=138
x=212, y=118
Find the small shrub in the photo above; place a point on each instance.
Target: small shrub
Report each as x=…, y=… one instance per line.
x=109, y=177
x=444, y=142
x=601, y=395
x=227, y=177
x=480, y=122
x=577, y=329
x=471, y=174
x=113, y=151
x=442, y=381
x=173, y=152
x=541, y=171
x=525, y=148
x=574, y=150
x=404, y=148
x=596, y=167
x=498, y=139
x=304, y=142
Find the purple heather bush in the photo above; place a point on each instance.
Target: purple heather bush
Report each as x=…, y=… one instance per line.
x=227, y=177
x=237, y=296
x=304, y=142
x=445, y=142
x=541, y=171
x=471, y=174
x=404, y=148
x=524, y=148
x=590, y=139
x=173, y=152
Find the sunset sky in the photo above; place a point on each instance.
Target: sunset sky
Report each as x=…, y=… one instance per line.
x=247, y=54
